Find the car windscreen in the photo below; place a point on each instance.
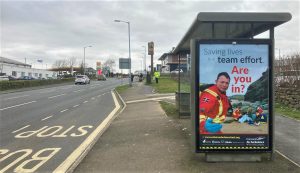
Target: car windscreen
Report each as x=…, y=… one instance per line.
x=79, y=76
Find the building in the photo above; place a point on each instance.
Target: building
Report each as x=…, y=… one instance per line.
x=18, y=69
x=170, y=62
x=90, y=71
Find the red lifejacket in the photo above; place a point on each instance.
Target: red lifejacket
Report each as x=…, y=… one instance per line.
x=212, y=104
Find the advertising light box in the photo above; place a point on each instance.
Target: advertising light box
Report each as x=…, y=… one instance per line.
x=233, y=95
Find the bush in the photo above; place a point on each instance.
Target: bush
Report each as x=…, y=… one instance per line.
x=7, y=85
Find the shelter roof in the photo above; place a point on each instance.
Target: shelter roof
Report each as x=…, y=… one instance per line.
x=222, y=25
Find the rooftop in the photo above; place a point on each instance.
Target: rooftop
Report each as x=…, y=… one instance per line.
x=10, y=61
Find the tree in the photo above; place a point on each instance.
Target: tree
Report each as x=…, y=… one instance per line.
x=72, y=61
x=81, y=67
x=58, y=64
x=111, y=63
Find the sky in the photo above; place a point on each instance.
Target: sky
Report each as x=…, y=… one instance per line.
x=56, y=30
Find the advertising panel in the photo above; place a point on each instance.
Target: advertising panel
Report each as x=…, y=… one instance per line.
x=234, y=95
x=150, y=48
x=98, y=65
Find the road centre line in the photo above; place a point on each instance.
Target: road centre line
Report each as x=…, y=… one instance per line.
x=20, y=129
x=17, y=105
x=15, y=97
x=75, y=106
x=85, y=101
x=93, y=98
x=48, y=91
x=64, y=110
x=151, y=99
x=47, y=118
x=76, y=91
x=56, y=96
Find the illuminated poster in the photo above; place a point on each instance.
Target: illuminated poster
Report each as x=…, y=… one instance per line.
x=233, y=106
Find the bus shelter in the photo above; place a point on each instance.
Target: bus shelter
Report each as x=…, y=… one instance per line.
x=220, y=42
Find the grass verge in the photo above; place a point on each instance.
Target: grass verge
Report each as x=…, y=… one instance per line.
x=165, y=85
x=170, y=109
x=289, y=112
x=168, y=85
x=122, y=88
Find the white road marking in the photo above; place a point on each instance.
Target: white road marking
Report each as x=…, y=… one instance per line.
x=92, y=87
x=85, y=101
x=99, y=95
x=287, y=158
x=47, y=91
x=76, y=156
x=93, y=98
x=56, y=96
x=15, y=97
x=17, y=105
x=75, y=106
x=150, y=99
x=20, y=129
x=64, y=110
x=76, y=91
x=47, y=118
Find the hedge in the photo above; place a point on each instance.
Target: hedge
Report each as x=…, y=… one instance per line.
x=7, y=85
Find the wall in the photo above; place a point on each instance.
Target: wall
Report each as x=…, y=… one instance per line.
x=288, y=96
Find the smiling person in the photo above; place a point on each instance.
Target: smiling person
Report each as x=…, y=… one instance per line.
x=213, y=105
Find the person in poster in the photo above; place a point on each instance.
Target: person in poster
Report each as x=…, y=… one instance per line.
x=214, y=105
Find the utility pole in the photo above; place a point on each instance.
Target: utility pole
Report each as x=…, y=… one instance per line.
x=84, y=58
x=145, y=64
x=128, y=23
x=151, y=52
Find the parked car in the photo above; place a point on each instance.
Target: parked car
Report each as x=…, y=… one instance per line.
x=82, y=79
x=101, y=77
x=176, y=71
x=12, y=78
x=4, y=78
x=26, y=78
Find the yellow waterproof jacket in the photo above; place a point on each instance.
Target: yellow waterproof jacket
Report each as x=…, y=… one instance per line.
x=156, y=74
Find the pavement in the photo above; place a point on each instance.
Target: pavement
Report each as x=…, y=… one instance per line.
x=143, y=139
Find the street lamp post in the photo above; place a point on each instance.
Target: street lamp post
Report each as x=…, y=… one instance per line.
x=84, y=58
x=145, y=58
x=130, y=84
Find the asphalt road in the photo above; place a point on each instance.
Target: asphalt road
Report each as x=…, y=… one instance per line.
x=40, y=128
x=287, y=137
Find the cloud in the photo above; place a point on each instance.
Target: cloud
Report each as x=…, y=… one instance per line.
x=55, y=30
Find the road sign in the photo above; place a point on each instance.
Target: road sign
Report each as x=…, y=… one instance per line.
x=98, y=65
x=124, y=63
